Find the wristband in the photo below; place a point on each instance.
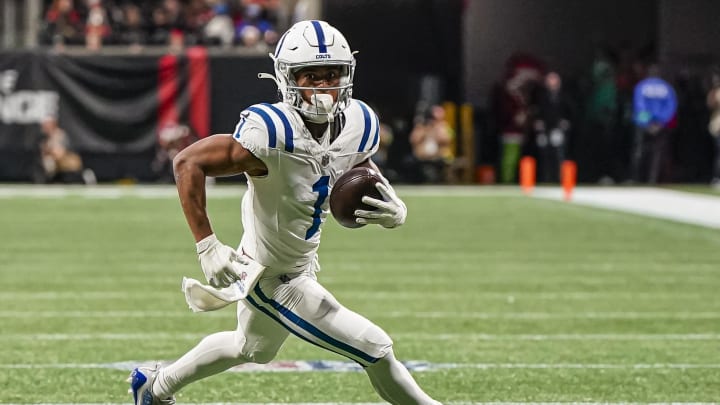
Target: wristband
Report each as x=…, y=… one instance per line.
x=205, y=243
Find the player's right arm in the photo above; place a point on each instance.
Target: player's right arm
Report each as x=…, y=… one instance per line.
x=217, y=155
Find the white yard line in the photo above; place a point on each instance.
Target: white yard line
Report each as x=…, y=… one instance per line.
x=378, y=403
x=222, y=191
x=31, y=337
x=395, y=295
x=623, y=337
x=337, y=366
x=508, y=316
x=675, y=205
x=692, y=208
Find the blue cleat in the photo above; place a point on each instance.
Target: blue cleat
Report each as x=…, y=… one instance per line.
x=141, y=380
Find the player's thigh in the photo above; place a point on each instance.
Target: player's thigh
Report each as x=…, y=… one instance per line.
x=312, y=313
x=263, y=334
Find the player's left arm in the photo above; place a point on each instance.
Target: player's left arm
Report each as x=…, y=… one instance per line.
x=390, y=212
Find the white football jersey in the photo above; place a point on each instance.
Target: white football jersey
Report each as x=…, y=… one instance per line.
x=283, y=211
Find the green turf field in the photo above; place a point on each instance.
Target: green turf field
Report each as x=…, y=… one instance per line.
x=700, y=189
x=522, y=300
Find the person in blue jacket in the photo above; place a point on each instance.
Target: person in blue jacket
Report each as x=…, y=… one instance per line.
x=654, y=109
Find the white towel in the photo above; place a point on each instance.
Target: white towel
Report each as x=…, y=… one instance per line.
x=202, y=297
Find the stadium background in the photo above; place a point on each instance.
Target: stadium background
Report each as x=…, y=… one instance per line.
x=410, y=52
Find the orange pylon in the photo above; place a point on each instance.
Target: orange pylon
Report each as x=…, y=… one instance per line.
x=568, y=174
x=527, y=174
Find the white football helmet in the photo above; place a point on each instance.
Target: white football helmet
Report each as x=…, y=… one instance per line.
x=313, y=43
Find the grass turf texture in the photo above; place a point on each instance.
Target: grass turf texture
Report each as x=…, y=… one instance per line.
x=695, y=188
x=494, y=280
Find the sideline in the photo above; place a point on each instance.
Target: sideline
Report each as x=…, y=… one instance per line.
x=691, y=208
x=112, y=191
x=687, y=207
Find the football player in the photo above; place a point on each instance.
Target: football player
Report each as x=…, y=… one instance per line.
x=291, y=153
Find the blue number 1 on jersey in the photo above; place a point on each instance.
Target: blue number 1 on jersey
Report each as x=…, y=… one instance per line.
x=320, y=187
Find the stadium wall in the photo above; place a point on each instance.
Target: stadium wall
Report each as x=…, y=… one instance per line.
x=112, y=106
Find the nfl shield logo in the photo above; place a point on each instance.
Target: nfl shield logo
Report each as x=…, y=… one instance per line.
x=325, y=160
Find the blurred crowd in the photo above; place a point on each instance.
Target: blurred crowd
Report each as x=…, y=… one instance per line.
x=175, y=23
x=627, y=119
x=596, y=117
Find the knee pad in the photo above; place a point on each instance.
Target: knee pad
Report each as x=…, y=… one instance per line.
x=376, y=341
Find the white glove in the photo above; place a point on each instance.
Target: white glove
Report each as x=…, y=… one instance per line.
x=390, y=213
x=218, y=262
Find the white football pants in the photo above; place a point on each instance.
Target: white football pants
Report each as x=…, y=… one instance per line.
x=298, y=304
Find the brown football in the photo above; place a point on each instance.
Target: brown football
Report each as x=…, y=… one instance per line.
x=347, y=193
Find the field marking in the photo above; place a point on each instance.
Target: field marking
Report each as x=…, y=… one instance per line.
x=691, y=208
x=511, y=295
x=223, y=191
x=630, y=315
x=347, y=366
x=421, y=336
x=562, y=336
x=508, y=316
x=64, y=295
x=378, y=403
x=705, y=284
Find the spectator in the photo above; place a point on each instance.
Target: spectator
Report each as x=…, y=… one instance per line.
x=553, y=119
x=176, y=20
x=173, y=23
x=196, y=14
x=177, y=40
x=174, y=14
x=655, y=109
x=220, y=29
x=511, y=106
x=431, y=142
x=59, y=161
x=689, y=148
x=62, y=25
x=160, y=28
x=601, y=118
x=96, y=27
x=713, y=102
x=251, y=37
x=257, y=27
x=630, y=70
x=132, y=30
x=168, y=25
x=172, y=138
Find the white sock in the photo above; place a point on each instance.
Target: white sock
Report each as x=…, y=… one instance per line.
x=214, y=354
x=393, y=383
